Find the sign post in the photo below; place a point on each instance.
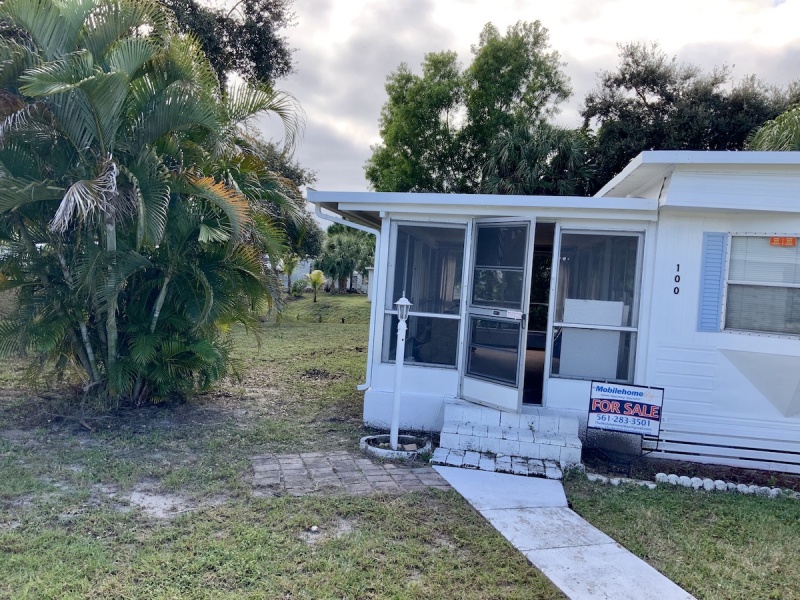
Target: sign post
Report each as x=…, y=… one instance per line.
x=625, y=408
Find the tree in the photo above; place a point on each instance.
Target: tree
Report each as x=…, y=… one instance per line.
x=345, y=252
x=286, y=177
x=131, y=220
x=290, y=262
x=316, y=280
x=436, y=128
x=652, y=102
x=538, y=159
x=782, y=133
x=244, y=39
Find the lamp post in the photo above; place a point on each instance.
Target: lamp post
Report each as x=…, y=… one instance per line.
x=403, y=307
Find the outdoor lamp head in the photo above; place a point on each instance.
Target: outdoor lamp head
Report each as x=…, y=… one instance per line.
x=403, y=306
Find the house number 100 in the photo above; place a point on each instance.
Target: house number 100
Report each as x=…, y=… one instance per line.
x=677, y=290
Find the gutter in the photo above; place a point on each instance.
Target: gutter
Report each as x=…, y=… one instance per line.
x=337, y=219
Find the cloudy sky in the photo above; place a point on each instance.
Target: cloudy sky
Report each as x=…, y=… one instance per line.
x=346, y=48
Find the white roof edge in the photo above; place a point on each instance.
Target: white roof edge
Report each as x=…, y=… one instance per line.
x=719, y=157
x=622, y=176
x=388, y=200
x=669, y=159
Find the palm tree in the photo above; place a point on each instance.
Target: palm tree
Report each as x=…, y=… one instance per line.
x=316, y=280
x=782, y=133
x=344, y=253
x=126, y=206
x=537, y=159
x=290, y=262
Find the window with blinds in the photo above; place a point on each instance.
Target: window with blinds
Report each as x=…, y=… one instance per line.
x=763, y=292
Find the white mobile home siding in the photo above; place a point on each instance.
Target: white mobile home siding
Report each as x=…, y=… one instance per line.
x=726, y=392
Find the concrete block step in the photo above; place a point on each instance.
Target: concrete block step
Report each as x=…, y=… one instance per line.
x=499, y=463
x=512, y=441
x=535, y=418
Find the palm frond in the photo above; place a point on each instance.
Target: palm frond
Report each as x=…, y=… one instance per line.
x=184, y=60
x=151, y=183
x=14, y=59
x=85, y=197
x=16, y=192
x=207, y=295
x=17, y=160
x=46, y=24
x=782, y=133
x=144, y=348
x=130, y=54
x=179, y=108
x=73, y=113
x=112, y=272
x=60, y=75
x=210, y=234
x=271, y=237
x=106, y=94
x=242, y=102
x=113, y=20
x=17, y=120
x=233, y=204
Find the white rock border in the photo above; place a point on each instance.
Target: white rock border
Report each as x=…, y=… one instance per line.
x=708, y=485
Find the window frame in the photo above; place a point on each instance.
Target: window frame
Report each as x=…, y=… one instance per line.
x=633, y=330
x=389, y=292
x=724, y=327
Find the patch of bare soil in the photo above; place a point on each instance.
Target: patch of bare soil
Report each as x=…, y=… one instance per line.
x=320, y=375
x=323, y=532
x=646, y=468
x=160, y=506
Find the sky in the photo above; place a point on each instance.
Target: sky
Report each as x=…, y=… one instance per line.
x=344, y=49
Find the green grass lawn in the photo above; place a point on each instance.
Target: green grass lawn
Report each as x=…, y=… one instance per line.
x=715, y=545
x=68, y=527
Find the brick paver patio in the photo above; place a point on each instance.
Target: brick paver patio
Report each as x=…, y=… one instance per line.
x=338, y=472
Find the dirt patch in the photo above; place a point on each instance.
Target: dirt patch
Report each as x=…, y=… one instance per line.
x=320, y=375
x=159, y=505
x=324, y=532
x=20, y=437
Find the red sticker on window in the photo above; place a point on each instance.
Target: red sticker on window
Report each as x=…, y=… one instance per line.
x=784, y=242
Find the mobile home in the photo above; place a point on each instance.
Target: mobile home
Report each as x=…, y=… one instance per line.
x=682, y=273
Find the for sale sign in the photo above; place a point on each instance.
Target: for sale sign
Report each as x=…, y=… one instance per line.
x=625, y=408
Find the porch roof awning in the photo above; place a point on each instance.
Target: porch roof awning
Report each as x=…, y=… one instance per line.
x=367, y=208
x=654, y=165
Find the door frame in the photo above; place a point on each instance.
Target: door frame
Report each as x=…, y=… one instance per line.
x=483, y=390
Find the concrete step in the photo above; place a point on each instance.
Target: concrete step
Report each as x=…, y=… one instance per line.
x=535, y=418
x=498, y=463
x=512, y=441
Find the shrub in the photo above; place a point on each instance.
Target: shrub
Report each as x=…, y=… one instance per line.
x=298, y=287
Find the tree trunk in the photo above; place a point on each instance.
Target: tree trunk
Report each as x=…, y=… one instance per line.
x=159, y=303
x=111, y=317
x=93, y=370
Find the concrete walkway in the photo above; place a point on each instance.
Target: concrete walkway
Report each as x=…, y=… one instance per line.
x=580, y=559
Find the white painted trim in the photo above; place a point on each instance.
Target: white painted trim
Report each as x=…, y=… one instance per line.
x=646, y=290
x=551, y=311
x=498, y=390
x=411, y=202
